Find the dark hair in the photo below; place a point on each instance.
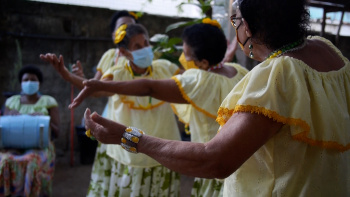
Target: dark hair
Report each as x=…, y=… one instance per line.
x=116, y=16
x=132, y=30
x=276, y=22
x=31, y=69
x=207, y=42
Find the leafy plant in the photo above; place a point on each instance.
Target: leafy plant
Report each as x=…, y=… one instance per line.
x=165, y=47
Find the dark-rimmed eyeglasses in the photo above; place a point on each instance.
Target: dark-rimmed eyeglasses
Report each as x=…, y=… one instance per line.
x=234, y=19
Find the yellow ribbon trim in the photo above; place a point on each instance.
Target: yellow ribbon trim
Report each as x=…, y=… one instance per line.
x=131, y=104
x=177, y=71
x=99, y=69
x=181, y=120
x=224, y=114
x=108, y=76
x=134, y=15
x=184, y=95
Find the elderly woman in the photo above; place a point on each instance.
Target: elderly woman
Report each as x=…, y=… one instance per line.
x=189, y=88
x=112, y=57
x=285, y=126
x=117, y=172
x=31, y=169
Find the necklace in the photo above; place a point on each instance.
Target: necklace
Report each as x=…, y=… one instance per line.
x=216, y=67
x=148, y=71
x=294, y=46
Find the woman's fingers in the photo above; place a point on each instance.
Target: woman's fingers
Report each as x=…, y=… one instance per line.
x=85, y=92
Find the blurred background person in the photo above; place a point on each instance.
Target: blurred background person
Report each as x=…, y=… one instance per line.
x=29, y=172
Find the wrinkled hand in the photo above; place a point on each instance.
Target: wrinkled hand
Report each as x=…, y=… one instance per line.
x=36, y=114
x=13, y=113
x=90, y=86
x=104, y=130
x=77, y=69
x=57, y=63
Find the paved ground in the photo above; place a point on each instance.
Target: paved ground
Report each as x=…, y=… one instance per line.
x=74, y=180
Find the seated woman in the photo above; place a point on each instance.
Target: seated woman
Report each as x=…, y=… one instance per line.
x=198, y=92
x=31, y=170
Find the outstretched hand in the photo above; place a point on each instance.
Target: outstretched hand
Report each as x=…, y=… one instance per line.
x=90, y=86
x=57, y=63
x=77, y=69
x=104, y=130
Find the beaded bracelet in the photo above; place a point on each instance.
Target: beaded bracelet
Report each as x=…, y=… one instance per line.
x=130, y=138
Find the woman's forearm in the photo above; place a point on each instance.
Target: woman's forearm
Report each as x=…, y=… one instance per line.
x=76, y=80
x=192, y=159
x=237, y=140
x=165, y=90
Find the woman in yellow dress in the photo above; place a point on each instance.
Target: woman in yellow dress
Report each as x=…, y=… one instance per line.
x=285, y=125
x=127, y=174
x=197, y=92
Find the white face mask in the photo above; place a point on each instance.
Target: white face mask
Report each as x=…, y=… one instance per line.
x=143, y=57
x=30, y=87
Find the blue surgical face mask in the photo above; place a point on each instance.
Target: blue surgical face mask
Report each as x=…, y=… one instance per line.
x=30, y=87
x=143, y=57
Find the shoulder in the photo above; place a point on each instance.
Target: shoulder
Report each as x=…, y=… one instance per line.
x=165, y=66
x=109, y=52
x=237, y=67
x=162, y=63
x=13, y=99
x=48, y=101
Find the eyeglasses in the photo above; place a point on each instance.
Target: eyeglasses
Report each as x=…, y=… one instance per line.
x=234, y=19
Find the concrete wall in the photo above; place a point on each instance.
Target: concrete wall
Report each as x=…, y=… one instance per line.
x=78, y=33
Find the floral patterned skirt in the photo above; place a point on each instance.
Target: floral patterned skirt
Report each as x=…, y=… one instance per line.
x=111, y=178
x=27, y=173
x=207, y=188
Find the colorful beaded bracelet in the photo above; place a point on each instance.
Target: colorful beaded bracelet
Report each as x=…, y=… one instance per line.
x=130, y=138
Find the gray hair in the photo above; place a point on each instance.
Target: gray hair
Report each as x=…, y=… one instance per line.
x=132, y=30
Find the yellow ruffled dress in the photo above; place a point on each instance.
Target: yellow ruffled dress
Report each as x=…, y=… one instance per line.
x=131, y=174
x=310, y=155
x=205, y=91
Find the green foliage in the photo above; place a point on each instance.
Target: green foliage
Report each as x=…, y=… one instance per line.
x=165, y=47
x=204, y=5
x=181, y=24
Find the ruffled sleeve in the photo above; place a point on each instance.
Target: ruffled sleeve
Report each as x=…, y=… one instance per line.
x=205, y=90
x=47, y=102
x=107, y=61
x=163, y=67
x=44, y=103
x=109, y=73
x=13, y=102
x=286, y=90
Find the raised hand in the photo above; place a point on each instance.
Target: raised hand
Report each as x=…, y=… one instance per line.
x=104, y=130
x=77, y=69
x=57, y=63
x=90, y=86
